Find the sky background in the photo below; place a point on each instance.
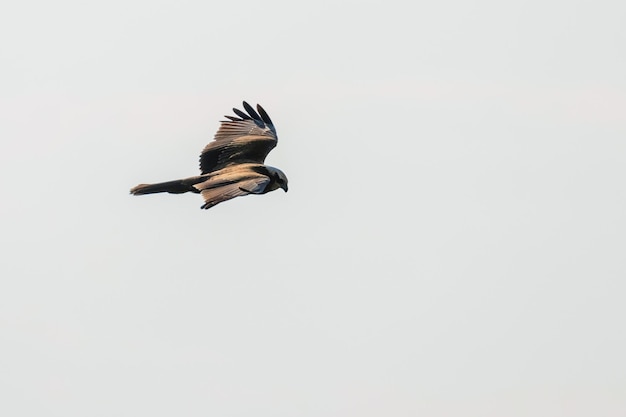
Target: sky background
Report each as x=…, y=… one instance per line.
x=452, y=244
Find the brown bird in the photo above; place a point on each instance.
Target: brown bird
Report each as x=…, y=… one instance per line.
x=232, y=165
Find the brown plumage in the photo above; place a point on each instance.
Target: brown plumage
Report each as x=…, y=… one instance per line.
x=232, y=165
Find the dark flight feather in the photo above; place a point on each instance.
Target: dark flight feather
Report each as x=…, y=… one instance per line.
x=264, y=115
x=241, y=114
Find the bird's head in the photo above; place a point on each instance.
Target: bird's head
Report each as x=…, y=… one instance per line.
x=279, y=177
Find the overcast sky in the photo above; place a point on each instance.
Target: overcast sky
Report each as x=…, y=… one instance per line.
x=453, y=242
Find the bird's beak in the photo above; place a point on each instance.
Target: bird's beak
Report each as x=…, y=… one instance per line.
x=284, y=187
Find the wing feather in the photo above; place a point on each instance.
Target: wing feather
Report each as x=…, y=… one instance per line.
x=264, y=115
x=247, y=139
x=241, y=114
x=230, y=190
x=251, y=111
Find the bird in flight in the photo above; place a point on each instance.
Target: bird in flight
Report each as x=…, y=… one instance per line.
x=232, y=165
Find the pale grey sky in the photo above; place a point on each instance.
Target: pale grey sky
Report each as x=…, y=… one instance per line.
x=452, y=244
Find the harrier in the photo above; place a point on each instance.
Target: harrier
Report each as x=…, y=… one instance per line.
x=232, y=165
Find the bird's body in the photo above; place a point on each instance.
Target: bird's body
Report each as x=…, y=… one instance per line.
x=232, y=165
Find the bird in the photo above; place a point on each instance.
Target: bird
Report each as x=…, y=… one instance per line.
x=233, y=163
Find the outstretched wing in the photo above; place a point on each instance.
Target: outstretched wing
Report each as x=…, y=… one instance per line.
x=244, y=139
x=213, y=196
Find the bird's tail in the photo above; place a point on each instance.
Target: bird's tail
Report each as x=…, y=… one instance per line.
x=172, y=187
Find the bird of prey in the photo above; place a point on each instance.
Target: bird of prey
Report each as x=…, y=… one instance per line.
x=232, y=165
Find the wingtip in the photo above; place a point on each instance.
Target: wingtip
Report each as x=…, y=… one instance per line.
x=264, y=115
x=241, y=114
x=251, y=111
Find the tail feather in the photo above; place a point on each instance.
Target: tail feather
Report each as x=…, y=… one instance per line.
x=172, y=187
